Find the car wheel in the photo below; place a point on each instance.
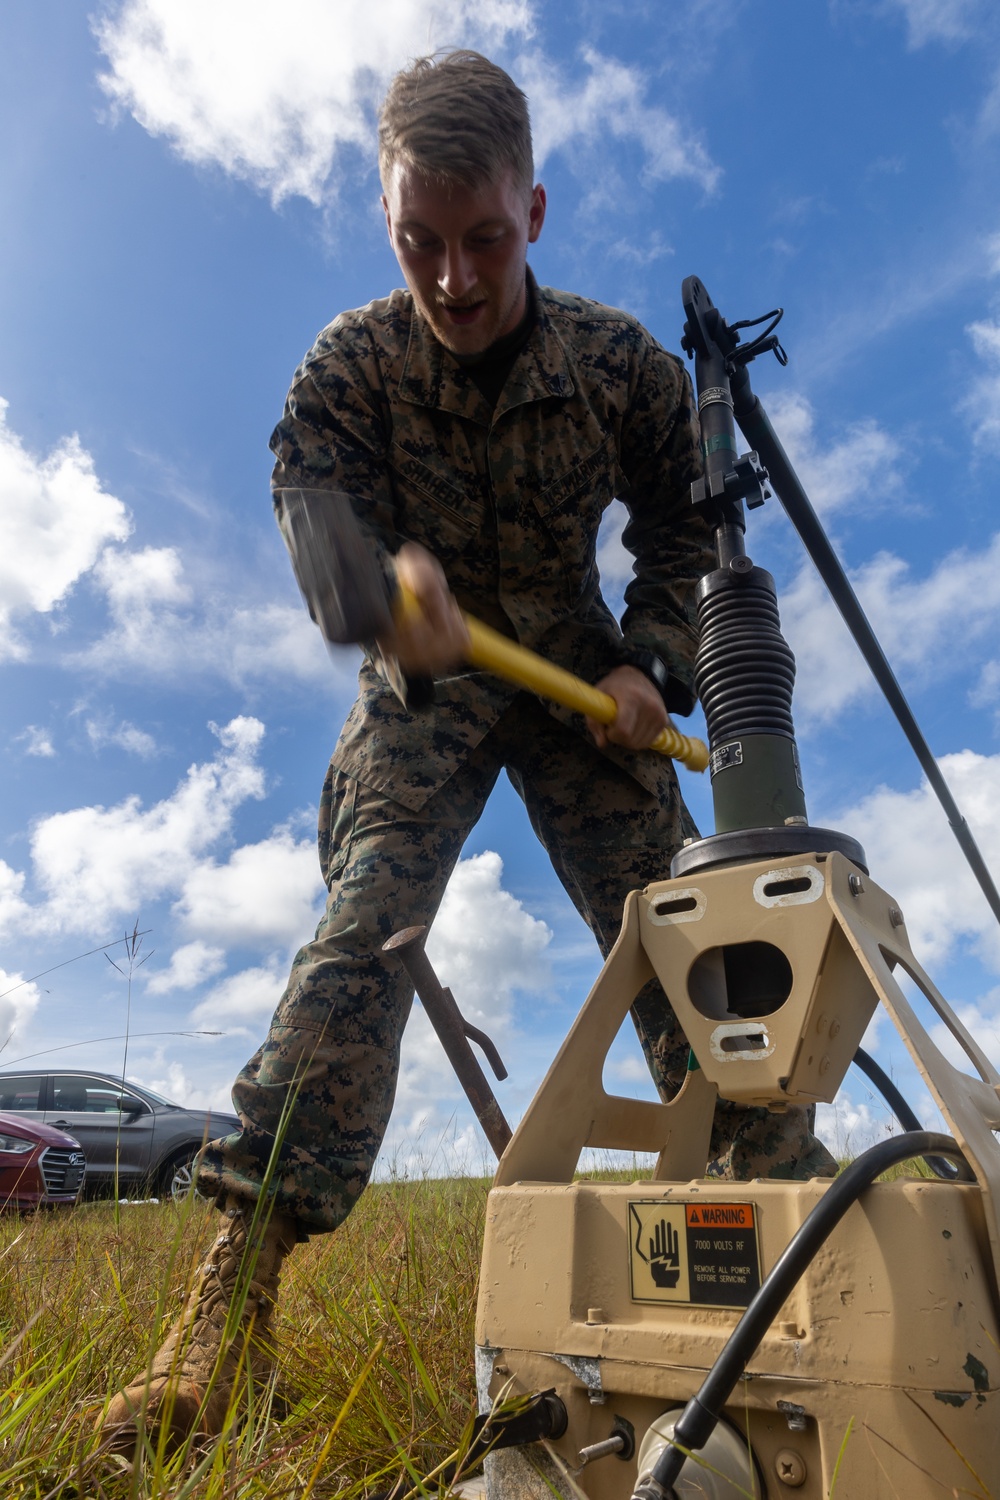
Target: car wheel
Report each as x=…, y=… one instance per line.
x=178, y=1178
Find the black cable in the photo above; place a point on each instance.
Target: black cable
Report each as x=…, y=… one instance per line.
x=764, y=343
x=702, y=1412
x=904, y=1114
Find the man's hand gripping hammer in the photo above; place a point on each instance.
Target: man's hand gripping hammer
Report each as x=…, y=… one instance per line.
x=351, y=599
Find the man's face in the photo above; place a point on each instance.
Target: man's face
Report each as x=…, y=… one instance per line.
x=462, y=252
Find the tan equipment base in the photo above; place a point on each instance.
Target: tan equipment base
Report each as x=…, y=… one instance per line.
x=880, y=1374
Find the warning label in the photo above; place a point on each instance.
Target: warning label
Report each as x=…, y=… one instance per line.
x=722, y=1215
x=700, y=1253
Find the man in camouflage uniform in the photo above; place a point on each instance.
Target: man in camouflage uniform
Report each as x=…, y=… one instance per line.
x=480, y=425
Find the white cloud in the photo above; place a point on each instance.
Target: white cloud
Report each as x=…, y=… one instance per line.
x=652, y=248
x=94, y=864
x=613, y=561
x=938, y=20
x=992, y=247
x=952, y=22
x=609, y=102
x=486, y=948
x=97, y=862
x=189, y=966
x=266, y=893
x=981, y=1021
x=916, y=858
x=483, y=943
x=243, y=1003
x=136, y=581
x=989, y=114
x=180, y=1089
x=847, y=1128
x=54, y=520
x=982, y=403
x=164, y=628
x=14, y=910
x=279, y=105
x=425, y=1146
x=36, y=741
x=126, y=736
x=861, y=469
x=278, y=641
x=288, y=108
x=887, y=166
x=952, y=614
x=629, y=1073
x=987, y=689
x=18, y=1002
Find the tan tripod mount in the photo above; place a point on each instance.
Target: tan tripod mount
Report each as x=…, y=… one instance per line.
x=896, y=1325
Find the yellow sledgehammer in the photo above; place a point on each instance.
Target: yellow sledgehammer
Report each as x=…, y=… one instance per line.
x=526, y=669
x=351, y=599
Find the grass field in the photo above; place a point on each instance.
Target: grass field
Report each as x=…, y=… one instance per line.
x=375, y=1332
x=81, y=1302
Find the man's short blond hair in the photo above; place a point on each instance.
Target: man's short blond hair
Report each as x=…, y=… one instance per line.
x=457, y=118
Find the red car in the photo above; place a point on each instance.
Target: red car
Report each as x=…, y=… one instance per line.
x=40, y=1167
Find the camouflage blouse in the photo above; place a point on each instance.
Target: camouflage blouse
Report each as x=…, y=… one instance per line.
x=509, y=501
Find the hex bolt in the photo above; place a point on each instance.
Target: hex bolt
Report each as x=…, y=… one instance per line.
x=790, y=1468
x=856, y=884
x=613, y=1444
x=895, y=916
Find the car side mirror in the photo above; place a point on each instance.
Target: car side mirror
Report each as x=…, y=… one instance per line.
x=129, y=1105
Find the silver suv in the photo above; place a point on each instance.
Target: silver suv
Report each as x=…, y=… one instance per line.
x=131, y=1136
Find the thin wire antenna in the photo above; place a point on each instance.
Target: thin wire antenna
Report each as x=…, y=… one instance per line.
x=42, y=972
x=96, y=1041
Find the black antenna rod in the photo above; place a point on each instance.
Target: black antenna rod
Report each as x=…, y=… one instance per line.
x=756, y=428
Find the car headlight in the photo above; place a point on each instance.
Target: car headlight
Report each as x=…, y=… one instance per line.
x=16, y=1144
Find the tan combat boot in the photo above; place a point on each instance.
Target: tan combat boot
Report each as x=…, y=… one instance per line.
x=189, y=1386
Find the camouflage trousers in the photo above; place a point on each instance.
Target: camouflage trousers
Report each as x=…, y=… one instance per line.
x=324, y=1079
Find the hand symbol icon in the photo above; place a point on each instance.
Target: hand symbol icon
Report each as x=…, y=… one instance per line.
x=664, y=1255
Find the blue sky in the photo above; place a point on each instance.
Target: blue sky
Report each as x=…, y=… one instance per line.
x=187, y=196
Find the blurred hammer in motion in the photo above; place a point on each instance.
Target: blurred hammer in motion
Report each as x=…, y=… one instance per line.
x=353, y=598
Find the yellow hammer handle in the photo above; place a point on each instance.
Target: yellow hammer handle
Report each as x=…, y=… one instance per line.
x=526, y=669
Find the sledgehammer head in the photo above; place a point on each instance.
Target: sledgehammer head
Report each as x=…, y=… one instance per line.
x=337, y=568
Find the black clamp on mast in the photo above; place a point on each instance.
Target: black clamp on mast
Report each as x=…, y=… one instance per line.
x=744, y=670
